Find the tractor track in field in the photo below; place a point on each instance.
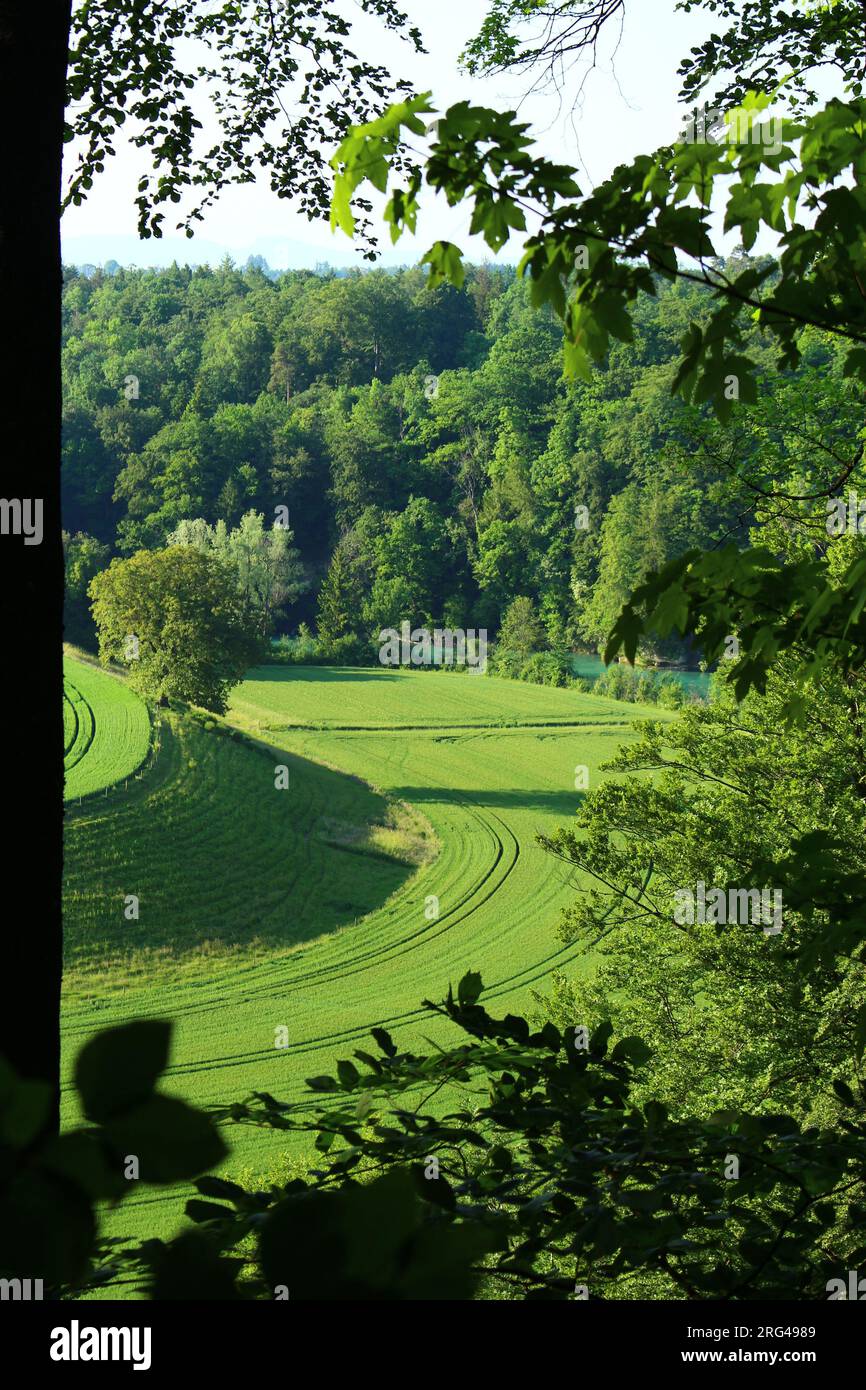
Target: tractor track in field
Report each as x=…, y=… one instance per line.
x=592, y=721
x=505, y=849
x=530, y=974
x=365, y=960
x=527, y=975
x=111, y=727
x=350, y=979
x=71, y=744
x=68, y=766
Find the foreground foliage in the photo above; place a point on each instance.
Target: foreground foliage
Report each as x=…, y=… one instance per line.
x=537, y=1172
x=51, y=1186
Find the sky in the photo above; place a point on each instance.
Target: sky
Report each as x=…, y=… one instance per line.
x=629, y=106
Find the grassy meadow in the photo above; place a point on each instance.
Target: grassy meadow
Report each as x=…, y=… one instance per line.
x=106, y=728
x=401, y=854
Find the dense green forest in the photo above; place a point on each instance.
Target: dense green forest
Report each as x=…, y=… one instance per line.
x=435, y=462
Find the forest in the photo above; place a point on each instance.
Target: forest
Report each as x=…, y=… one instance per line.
x=434, y=460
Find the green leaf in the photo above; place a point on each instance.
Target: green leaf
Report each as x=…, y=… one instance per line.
x=446, y=264
x=200, y=1211
x=635, y=1049
x=190, y=1269
x=119, y=1068
x=322, y=1083
x=348, y=1074
x=211, y=1186
x=599, y=1040
x=170, y=1140
x=844, y=1092
x=470, y=988
x=385, y=1041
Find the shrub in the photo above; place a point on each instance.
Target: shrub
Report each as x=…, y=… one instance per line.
x=621, y=682
x=671, y=693
x=307, y=650
x=547, y=668
x=350, y=650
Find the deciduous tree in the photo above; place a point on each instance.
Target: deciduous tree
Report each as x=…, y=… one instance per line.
x=175, y=617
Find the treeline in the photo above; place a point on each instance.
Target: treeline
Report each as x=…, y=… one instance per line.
x=432, y=461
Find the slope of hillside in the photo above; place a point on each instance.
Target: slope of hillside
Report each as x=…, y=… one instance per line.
x=106, y=728
x=221, y=859
x=334, y=697
x=263, y=909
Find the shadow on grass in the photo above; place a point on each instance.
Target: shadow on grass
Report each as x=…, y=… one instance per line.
x=218, y=856
x=320, y=675
x=560, y=803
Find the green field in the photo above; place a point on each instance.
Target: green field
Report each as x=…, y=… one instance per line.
x=402, y=855
x=273, y=697
x=106, y=728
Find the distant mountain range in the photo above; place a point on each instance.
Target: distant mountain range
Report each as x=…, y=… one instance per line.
x=280, y=253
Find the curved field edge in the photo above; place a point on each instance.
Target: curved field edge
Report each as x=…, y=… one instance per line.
x=107, y=729
x=225, y=864
x=489, y=900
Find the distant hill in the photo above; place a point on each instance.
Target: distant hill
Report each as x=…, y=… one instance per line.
x=280, y=253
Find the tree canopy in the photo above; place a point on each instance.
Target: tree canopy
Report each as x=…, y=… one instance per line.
x=177, y=620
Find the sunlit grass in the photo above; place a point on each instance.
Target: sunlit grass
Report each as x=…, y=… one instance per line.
x=402, y=856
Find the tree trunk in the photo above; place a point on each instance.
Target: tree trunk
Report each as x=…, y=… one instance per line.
x=33, y=52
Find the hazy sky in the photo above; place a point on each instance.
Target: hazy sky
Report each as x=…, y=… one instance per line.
x=629, y=106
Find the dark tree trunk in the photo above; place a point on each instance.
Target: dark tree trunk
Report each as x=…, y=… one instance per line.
x=33, y=49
